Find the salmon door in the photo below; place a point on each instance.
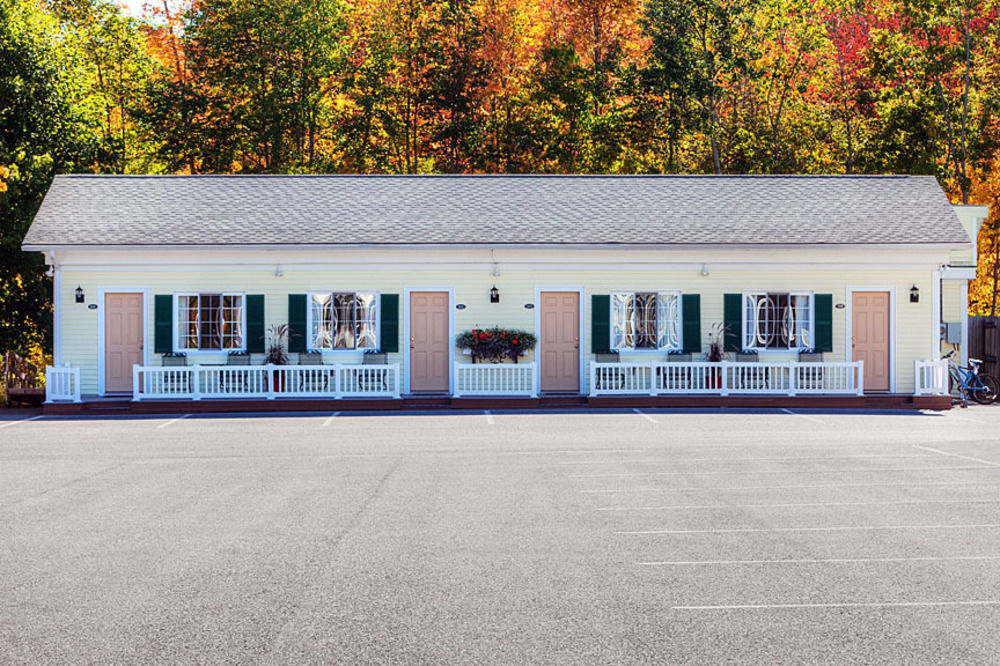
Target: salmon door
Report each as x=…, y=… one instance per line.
x=430, y=341
x=559, y=342
x=870, y=336
x=122, y=340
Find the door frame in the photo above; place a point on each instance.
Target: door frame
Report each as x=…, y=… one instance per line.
x=101, y=314
x=848, y=353
x=406, y=335
x=580, y=291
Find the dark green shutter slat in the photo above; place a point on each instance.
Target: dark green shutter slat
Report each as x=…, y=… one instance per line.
x=163, y=323
x=255, y=324
x=691, y=326
x=732, y=318
x=824, y=322
x=600, y=323
x=389, y=323
x=297, y=339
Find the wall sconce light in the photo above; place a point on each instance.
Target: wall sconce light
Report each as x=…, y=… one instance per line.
x=704, y=270
x=914, y=294
x=79, y=294
x=494, y=295
x=277, y=271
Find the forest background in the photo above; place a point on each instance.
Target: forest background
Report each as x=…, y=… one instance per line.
x=491, y=86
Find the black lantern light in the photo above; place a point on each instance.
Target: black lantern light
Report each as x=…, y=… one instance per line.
x=79, y=294
x=914, y=294
x=494, y=295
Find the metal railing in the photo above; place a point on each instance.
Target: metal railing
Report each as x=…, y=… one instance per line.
x=727, y=378
x=930, y=377
x=495, y=379
x=265, y=381
x=62, y=383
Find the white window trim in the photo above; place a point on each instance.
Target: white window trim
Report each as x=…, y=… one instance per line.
x=209, y=352
x=356, y=350
x=783, y=350
x=680, y=321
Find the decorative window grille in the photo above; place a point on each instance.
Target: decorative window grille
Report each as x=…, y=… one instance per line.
x=777, y=320
x=210, y=322
x=646, y=320
x=343, y=320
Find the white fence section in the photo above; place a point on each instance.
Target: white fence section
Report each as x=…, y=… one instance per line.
x=727, y=378
x=930, y=377
x=265, y=381
x=62, y=384
x=495, y=379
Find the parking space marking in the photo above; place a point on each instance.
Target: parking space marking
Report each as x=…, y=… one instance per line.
x=854, y=470
x=678, y=507
x=330, y=419
x=674, y=461
x=14, y=423
x=802, y=416
x=873, y=604
x=164, y=425
x=695, y=489
x=831, y=560
x=644, y=415
x=833, y=528
x=955, y=455
x=489, y=417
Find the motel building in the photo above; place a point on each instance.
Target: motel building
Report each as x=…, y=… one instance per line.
x=172, y=292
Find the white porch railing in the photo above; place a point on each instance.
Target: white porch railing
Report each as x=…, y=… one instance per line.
x=495, y=379
x=265, y=381
x=62, y=384
x=930, y=377
x=727, y=378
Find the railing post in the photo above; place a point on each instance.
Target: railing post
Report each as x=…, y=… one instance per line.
x=458, y=381
x=861, y=377
x=395, y=383
x=196, y=382
x=652, y=377
x=724, y=379
x=136, y=393
x=793, y=382
x=270, y=381
x=338, y=371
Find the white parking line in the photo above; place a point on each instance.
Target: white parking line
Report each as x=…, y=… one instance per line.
x=330, y=419
x=164, y=425
x=644, y=415
x=835, y=528
x=874, y=604
x=678, y=507
x=955, y=455
x=802, y=416
x=697, y=489
x=14, y=423
x=854, y=470
x=674, y=461
x=832, y=560
x=489, y=417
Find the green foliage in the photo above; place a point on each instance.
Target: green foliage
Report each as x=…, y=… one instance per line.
x=496, y=344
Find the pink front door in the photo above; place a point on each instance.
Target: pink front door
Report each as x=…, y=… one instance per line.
x=559, y=342
x=430, y=341
x=870, y=336
x=122, y=340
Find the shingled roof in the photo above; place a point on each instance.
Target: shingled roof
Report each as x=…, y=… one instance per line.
x=105, y=211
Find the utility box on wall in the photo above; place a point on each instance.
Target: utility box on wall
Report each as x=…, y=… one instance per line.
x=953, y=332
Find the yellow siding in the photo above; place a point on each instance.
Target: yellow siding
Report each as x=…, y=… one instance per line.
x=517, y=287
x=971, y=218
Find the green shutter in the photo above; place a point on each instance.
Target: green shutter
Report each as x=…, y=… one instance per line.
x=255, y=324
x=600, y=323
x=389, y=323
x=163, y=323
x=297, y=335
x=732, y=318
x=824, y=322
x=691, y=325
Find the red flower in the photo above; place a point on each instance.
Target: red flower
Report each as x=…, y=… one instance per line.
x=514, y=341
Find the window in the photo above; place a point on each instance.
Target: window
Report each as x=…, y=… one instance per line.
x=210, y=322
x=774, y=320
x=343, y=320
x=645, y=320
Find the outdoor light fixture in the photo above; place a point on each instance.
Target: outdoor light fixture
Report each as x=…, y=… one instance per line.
x=914, y=294
x=79, y=294
x=704, y=270
x=494, y=295
x=277, y=271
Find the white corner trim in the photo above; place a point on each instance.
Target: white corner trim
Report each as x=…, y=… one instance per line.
x=581, y=291
x=406, y=336
x=936, y=316
x=849, y=328
x=57, y=308
x=101, y=314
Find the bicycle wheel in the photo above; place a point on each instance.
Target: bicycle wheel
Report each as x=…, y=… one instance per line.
x=990, y=391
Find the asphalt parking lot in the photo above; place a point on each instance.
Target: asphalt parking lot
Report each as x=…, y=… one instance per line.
x=651, y=536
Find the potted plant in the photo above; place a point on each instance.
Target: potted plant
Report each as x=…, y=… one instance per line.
x=277, y=353
x=716, y=353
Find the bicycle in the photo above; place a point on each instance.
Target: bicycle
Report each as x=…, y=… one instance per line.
x=983, y=388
